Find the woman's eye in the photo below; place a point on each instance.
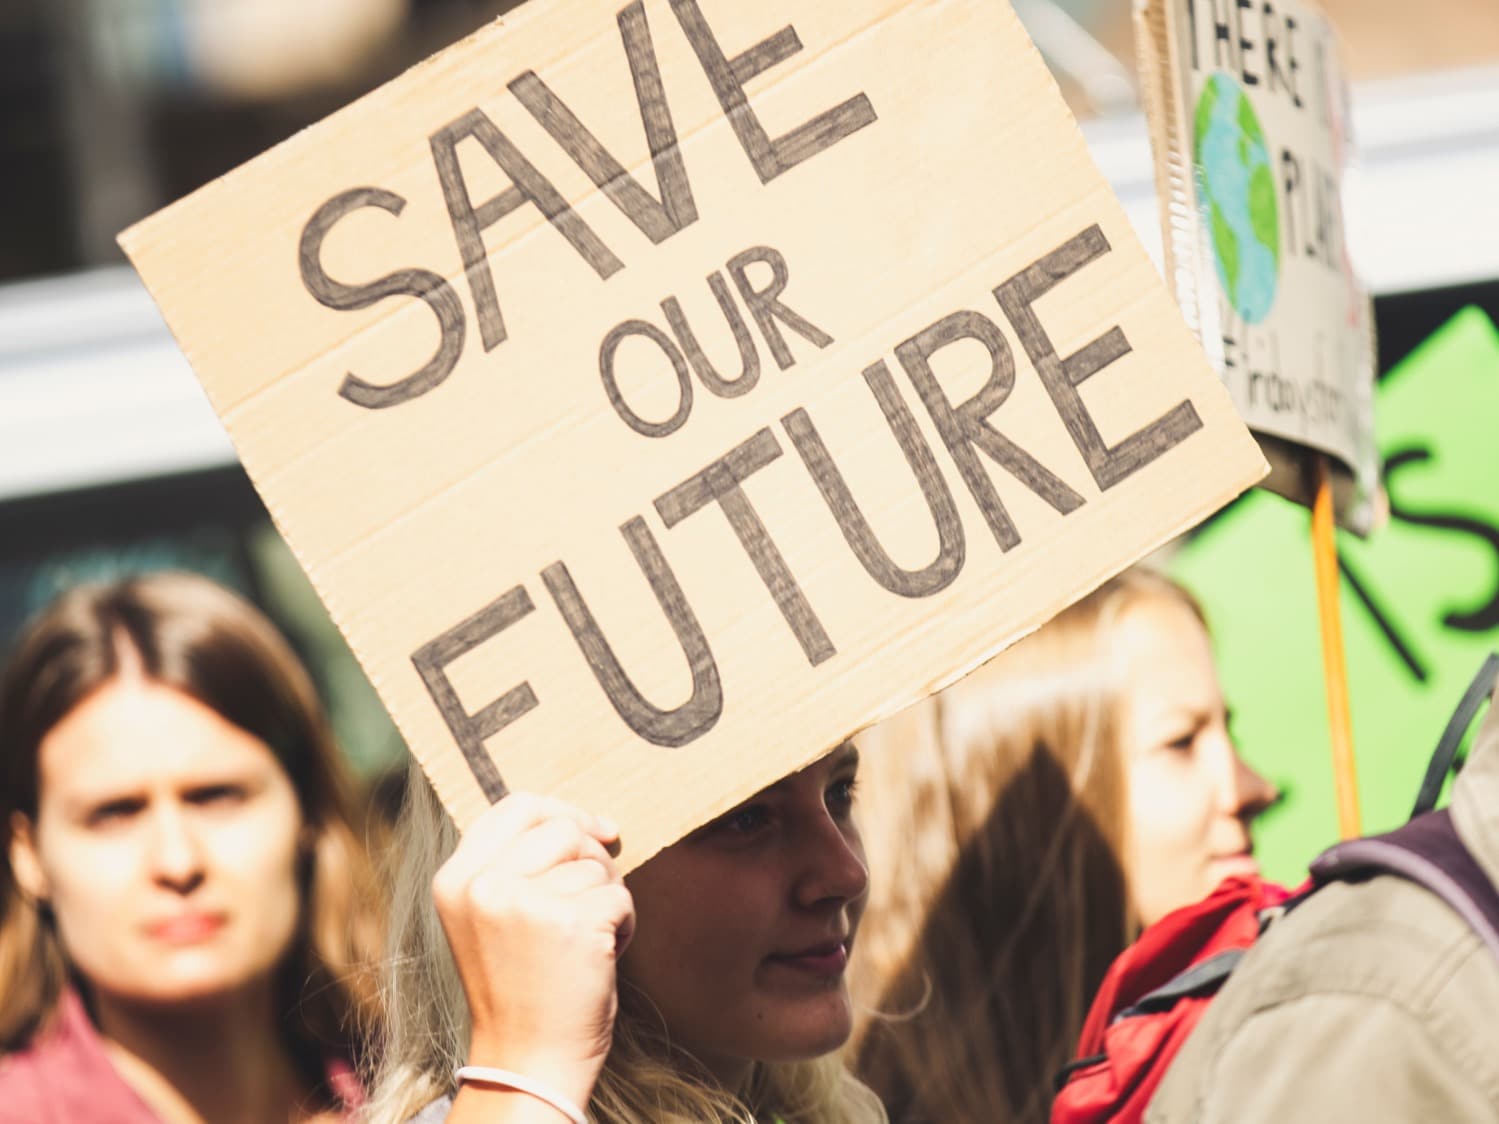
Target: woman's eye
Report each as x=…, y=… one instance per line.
x=841, y=794
x=1183, y=743
x=114, y=812
x=741, y=821
x=746, y=820
x=216, y=795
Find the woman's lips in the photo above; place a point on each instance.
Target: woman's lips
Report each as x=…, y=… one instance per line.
x=186, y=928
x=825, y=960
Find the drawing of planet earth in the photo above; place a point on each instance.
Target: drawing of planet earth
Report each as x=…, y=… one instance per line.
x=1236, y=196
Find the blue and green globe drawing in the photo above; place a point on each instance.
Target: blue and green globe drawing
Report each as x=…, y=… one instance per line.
x=1236, y=196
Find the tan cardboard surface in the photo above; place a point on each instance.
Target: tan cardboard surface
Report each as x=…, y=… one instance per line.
x=1249, y=123
x=483, y=534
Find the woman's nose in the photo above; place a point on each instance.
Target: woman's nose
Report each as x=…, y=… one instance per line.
x=1250, y=793
x=176, y=855
x=835, y=870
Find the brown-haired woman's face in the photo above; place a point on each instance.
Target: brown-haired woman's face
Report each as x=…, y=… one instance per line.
x=166, y=845
x=1191, y=797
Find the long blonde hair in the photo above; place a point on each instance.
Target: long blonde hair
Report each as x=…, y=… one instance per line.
x=198, y=638
x=645, y=1080
x=994, y=816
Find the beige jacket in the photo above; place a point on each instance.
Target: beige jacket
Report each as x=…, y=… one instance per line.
x=1371, y=1002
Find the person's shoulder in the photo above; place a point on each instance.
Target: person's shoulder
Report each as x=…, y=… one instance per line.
x=1385, y=936
x=434, y=1113
x=1379, y=962
x=1385, y=942
x=63, y=1075
x=22, y=1083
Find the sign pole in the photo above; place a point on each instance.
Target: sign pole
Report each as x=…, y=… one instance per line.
x=1335, y=669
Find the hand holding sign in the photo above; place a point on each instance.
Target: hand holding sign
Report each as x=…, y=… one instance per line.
x=536, y=914
x=877, y=308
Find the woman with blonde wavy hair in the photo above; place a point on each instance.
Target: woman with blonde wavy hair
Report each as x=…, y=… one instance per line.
x=187, y=917
x=1023, y=825
x=530, y=982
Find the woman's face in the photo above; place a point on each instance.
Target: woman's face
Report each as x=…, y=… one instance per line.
x=166, y=844
x=744, y=928
x=1191, y=798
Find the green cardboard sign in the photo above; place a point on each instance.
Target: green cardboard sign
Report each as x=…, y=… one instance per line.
x=1420, y=600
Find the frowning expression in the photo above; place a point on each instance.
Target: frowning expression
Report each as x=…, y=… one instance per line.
x=165, y=843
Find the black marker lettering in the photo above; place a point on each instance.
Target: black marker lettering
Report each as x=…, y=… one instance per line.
x=766, y=307
x=1290, y=170
x=1223, y=35
x=1292, y=65
x=527, y=186
x=646, y=330
x=420, y=283
x=659, y=219
x=1061, y=377
x=470, y=730
x=1246, y=46
x=722, y=481
x=851, y=521
x=770, y=157
x=749, y=355
x=1275, y=78
x=966, y=427
x=674, y=727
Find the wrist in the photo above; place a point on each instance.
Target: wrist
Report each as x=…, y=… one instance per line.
x=492, y=1104
x=572, y=1077
x=512, y=1082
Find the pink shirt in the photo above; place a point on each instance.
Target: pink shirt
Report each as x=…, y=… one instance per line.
x=65, y=1077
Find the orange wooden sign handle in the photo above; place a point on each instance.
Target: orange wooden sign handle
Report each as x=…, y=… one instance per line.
x=1334, y=669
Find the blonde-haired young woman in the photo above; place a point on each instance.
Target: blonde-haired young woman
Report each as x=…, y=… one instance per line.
x=1023, y=825
x=705, y=988
x=187, y=917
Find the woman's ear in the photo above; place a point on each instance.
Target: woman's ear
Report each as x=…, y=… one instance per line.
x=25, y=862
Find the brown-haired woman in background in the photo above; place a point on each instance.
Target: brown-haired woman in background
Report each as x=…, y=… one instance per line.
x=187, y=917
x=1022, y=826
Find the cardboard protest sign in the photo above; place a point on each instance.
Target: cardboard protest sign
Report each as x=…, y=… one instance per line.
x=658, y=393
x=1248, y=113
x=1420, y=600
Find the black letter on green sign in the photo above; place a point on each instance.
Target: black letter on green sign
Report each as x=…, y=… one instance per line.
x=728, y=76
x=421, y=283
x=1109, y=464
x=966, y=427
x=674, y=727
x=856, y=530
x=470, y=730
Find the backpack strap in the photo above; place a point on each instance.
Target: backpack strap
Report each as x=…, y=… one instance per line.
x=1452, y=737
x=1429, y=852
x=1200, y=979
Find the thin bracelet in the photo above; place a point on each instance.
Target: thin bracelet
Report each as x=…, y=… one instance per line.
x=488, y=1075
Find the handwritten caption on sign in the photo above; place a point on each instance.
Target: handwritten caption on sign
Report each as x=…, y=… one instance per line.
x=657, y=394
x=1250, y=120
